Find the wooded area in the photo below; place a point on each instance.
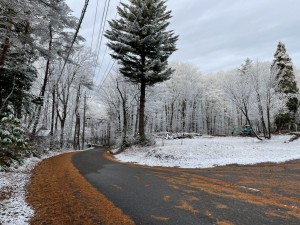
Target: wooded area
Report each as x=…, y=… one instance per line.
x=49, y=97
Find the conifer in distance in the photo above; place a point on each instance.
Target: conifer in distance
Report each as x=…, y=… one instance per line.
x=286, y=84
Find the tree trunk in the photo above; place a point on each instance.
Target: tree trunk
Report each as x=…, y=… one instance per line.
x=6, y=42
x=124, y=120
x=62, y=128
x=261, y=113
x=255, y=134
x=167, y=119
x=76, y=143
x=269, y=123
x=183, y=115
x=52, y=118
x=142, y=111
x=43, y=89
x=124, y=102
x=84, y=121
x=245, y=111
x=136, y=122
x=171, y=117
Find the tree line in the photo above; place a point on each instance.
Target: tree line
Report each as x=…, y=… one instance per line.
x=261, y=94
x=44, y=74
x=48, y=99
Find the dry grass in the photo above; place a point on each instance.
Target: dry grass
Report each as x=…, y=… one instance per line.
x=60, y=195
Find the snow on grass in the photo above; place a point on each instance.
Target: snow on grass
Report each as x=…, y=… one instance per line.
x=13, y=207
x=208, y=151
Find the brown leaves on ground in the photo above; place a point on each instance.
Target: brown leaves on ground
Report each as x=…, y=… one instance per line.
x=160, y=218
x=60, y=195
x=167, y=198
x=186, y=206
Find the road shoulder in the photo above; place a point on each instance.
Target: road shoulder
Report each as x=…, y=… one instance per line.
x=60, y=195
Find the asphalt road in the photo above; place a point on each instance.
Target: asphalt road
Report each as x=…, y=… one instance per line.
x=260, y=194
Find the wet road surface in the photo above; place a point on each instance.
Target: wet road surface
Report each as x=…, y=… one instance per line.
x=243, y=195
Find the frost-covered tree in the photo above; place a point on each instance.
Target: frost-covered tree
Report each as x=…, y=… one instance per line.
x=119, y=97
x=142, y=45
x=16, y=58
x=282, y=67
x=182, y=98
x=75, y=75
x=55, y=36
x=240, y=92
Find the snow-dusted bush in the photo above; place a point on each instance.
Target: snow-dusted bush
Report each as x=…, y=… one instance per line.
x=13, y=143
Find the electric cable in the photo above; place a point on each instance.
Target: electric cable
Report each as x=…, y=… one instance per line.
x=75, y=36
x=95, y=17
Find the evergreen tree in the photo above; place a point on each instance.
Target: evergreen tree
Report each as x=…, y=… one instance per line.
x=282, y=67
x=246, y=67
x=16, y=61
x=142, y=45
x=13, y=141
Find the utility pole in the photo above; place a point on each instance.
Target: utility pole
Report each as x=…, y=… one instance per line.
x=83, y=127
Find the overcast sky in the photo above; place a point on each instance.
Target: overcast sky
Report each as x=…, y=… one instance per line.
x=217, y=35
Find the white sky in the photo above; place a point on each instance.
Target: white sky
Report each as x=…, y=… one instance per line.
x=217, y=35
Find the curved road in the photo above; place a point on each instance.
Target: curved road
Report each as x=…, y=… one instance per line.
x=260, y=194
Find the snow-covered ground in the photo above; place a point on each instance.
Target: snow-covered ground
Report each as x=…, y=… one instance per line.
x=200, y=152
x=13, y=208
x=208, y=151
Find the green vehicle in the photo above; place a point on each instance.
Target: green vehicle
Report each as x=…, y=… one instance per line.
x=247, y=130
x=244, y=131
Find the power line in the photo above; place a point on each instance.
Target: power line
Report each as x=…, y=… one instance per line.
x=114, y=60
x=75, y=36
x=102, y=61
x=139, y=13
x=99, y=39
x=100, y=35
x=96, y=13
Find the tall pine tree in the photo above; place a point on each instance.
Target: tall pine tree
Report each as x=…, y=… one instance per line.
x=142, y=45
x=282, y=66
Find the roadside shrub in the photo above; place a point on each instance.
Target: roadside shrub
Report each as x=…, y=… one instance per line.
x=13, y=141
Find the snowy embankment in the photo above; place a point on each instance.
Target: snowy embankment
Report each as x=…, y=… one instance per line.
x=13, y=207
x=208, y=151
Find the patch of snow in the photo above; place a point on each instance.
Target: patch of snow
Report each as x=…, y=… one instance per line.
x=13, y=207
x=209, y=151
